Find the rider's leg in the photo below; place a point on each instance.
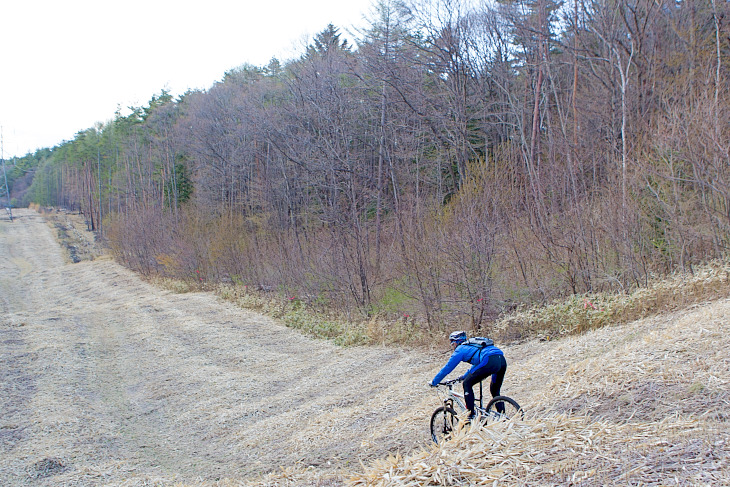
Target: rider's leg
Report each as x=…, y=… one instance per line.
x=501, y=364
x=474, y=377
x=469, y=394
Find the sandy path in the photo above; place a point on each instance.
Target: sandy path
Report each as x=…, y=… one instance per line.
x=105, y=379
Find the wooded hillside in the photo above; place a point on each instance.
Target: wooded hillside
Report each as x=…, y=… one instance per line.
x=452, y=161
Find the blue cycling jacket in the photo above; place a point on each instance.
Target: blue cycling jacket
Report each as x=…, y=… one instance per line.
x=466, y=352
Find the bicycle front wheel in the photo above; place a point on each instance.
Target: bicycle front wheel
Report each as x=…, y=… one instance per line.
x=502, y=408
x=443, y=422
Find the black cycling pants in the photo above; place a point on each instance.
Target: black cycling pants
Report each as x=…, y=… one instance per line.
x=496, y=366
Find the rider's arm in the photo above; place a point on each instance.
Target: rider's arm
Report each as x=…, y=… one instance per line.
x=455, y=360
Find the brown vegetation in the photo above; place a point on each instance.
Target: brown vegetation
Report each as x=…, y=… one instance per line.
x=461, y=162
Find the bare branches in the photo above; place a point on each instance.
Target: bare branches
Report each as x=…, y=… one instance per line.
x=463, y=158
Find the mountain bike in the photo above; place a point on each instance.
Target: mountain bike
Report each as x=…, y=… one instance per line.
x=445, y=418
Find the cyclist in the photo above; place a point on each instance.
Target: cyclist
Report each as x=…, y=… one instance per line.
x=486, y=360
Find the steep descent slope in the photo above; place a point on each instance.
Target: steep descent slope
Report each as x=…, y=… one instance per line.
x=647, y=403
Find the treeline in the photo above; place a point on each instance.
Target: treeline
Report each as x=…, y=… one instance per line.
x=459, y=159
x=19, y=172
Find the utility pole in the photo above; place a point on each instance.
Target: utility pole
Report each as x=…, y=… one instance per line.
x=5, y=189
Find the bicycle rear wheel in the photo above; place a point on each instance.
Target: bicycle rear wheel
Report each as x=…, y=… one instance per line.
x=502, y=408
x=443, y=422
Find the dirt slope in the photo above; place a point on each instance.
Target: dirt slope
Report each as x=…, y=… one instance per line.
x=105, y=380
x=642, y=404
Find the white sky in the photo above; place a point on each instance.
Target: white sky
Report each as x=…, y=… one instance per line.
x=67, y=64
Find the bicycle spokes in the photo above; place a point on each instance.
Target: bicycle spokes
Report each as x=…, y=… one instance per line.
x=502, y=408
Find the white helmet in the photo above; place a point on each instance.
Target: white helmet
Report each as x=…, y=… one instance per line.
x=457, y=337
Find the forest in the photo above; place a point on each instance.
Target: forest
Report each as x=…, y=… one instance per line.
x=452, y=161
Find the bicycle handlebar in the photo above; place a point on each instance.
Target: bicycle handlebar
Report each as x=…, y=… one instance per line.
x=450, y=382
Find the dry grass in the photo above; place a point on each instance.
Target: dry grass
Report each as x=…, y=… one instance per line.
x=646, y=403
x=573, y=315
x=109, y=381
x=312, y=320
x=580, y=313
x=562, y=450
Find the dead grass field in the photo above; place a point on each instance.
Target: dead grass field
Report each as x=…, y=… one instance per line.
x=107, y=380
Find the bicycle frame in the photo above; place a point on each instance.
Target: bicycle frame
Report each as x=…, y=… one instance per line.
x=455, y=400
x=452, y=399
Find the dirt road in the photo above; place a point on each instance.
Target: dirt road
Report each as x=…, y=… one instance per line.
x=105, y=379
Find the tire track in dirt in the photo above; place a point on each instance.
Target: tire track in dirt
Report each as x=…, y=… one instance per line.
x=110, y=379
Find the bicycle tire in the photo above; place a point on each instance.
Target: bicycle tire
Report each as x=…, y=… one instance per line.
x=443, y=421
x=510, y=409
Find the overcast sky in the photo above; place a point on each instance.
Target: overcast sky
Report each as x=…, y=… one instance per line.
x=67, y=64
